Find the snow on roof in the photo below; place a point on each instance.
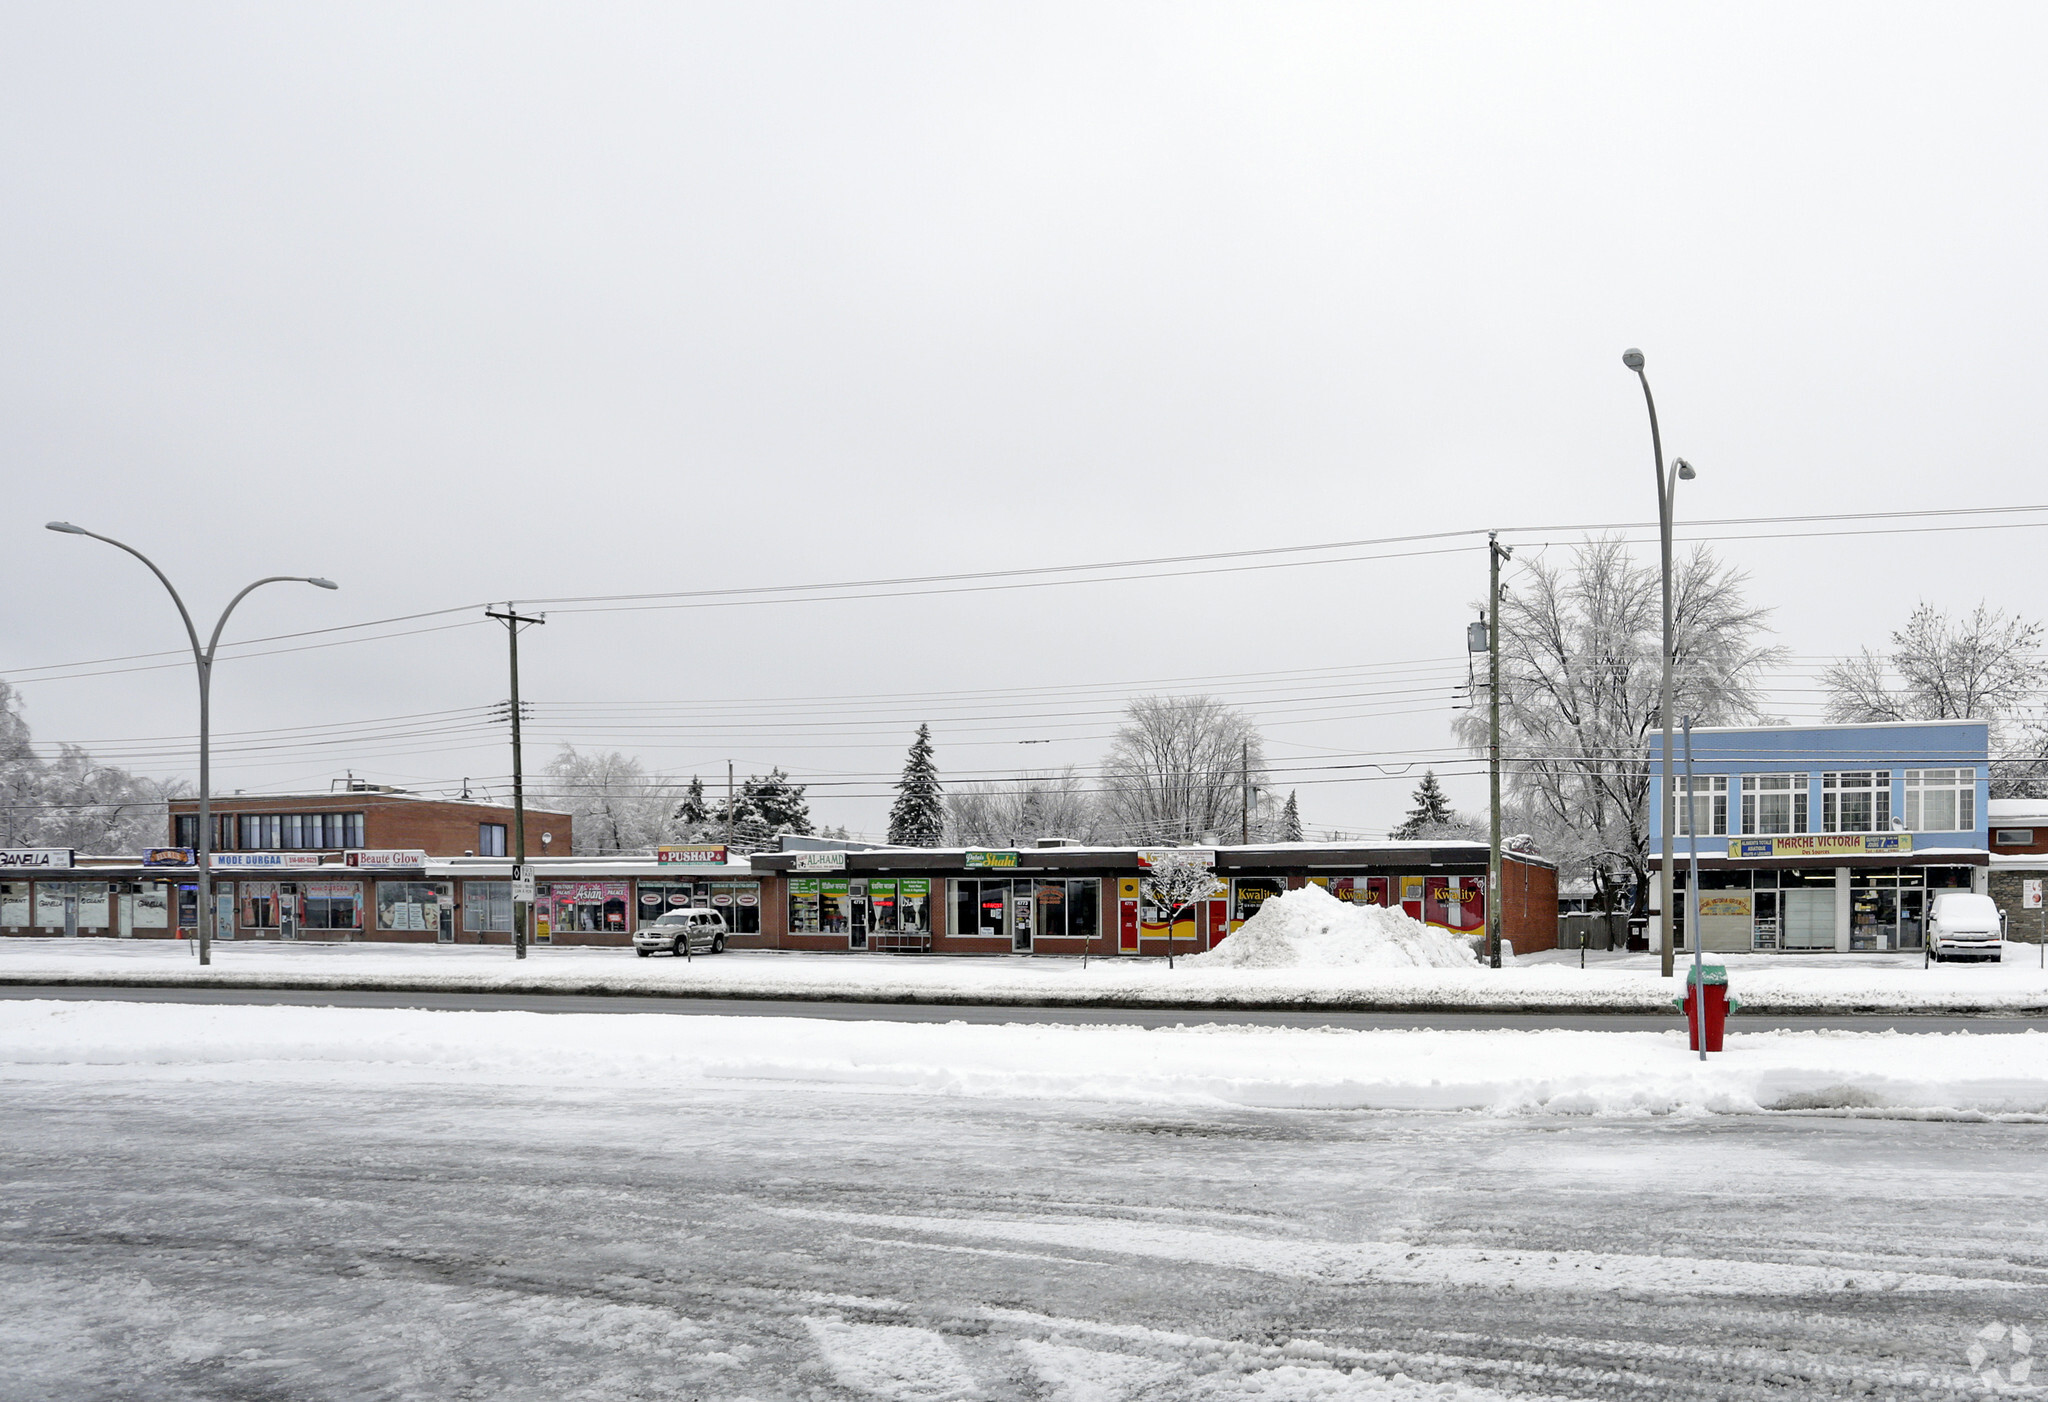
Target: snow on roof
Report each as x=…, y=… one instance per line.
x=2017, y=810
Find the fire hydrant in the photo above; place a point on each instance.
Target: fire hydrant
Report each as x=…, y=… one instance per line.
x=1708, y=982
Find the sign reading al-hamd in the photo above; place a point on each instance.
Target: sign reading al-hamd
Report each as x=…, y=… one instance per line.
x=1822, y=844
x=35, y=858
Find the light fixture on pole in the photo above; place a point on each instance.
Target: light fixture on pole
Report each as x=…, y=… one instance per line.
x=1667, y=487
x=202, y=658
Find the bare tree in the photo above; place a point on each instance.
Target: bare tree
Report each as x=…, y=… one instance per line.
x=1176, y=879
x=617, y=805
x=1017, y=812
x=1177, y=768
x=72, y=800
x=1984, y=666
x=1580, y=683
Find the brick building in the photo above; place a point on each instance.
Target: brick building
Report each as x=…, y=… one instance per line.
x=375, y=816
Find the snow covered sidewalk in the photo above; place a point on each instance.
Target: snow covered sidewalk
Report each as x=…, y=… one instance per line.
x=1782, y=984
x=1952, y=1075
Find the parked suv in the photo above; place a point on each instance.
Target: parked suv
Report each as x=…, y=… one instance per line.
x=1964, y=925
x=682, y=931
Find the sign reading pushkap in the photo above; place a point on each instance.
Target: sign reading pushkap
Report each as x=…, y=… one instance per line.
x=698, y=855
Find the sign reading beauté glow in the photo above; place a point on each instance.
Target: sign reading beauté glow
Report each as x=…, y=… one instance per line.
x=1819, y=844
x=35, y=858
x=393, y=857
x=700, y=855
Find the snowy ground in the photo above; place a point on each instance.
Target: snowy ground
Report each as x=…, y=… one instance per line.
x=1611, y=982
x=207, y=1202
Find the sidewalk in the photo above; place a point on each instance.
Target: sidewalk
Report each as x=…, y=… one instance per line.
x=1550, y=982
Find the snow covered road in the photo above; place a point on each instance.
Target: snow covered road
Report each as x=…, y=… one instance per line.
x=339, y=1203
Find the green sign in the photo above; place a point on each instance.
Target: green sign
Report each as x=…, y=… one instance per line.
x=989, y=860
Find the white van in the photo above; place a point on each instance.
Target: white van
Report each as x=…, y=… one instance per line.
x=682, y=931
x=1964, y=925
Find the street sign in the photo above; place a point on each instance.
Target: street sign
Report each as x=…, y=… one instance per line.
x=2033, y=892
x=522, y=890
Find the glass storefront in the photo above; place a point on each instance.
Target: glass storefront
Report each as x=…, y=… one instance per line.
x=417, y=905
x=1795, y=910
x=14, y=905
x=803, y=905
x=487, y=907
x=328, y=906
x=585, y=907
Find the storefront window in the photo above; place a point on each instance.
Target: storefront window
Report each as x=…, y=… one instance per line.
x=1248, y=893
x=803, y=905
x=487, y=907
x=258, y=905
x=1707, y=813
x=412, y=905
x=331, y=905
x=1860, y=802
x=1773, y=803
x=1941, y=800
x=914, y=904
x=882, y=905
x=588, y=907
x=738, y=901
x=14, y=905
x=835, y=905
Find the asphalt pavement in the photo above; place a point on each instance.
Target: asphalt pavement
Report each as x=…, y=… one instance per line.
x=944, y=1012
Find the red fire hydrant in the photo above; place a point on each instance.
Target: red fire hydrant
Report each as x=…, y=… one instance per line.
x=1709, y=983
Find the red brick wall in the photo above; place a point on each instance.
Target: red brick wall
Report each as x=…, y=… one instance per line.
x=440, y=828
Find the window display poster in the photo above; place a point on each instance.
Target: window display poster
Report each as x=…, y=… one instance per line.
x=14, y=904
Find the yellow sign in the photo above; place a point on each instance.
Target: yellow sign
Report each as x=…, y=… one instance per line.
x=1821, y=844
x=1711, y=906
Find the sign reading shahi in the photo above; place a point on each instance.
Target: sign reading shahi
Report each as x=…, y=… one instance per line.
x=978, y=859
x=1821, y=844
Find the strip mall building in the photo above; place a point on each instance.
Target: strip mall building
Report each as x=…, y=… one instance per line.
x=1055, y=900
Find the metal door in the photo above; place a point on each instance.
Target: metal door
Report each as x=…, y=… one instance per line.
x=1127, y=915
x=224, y=914
x=287, y=910
x=856, y=913
x=1023, y=919
x=124, y=915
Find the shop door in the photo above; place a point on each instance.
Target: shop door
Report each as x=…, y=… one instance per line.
x=1127, y=916
x=70, y=917
x=857, y=915
x=1021, y=924
x=224, y=914
x=1764, y=930
x=1912, y=918
x=1218, y=923
x=287, y=910
x=445, y=932
x=1808, y=918
x=124, y=915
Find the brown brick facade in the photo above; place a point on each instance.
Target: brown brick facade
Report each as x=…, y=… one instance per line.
x=438, y=827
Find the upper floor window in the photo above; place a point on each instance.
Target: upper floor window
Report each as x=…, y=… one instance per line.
x=1773, y=803
x=290, y=832
x=185, y=831
x=1707, y=813
x=1941, y=800
x=1856, y=802
x=490, y=839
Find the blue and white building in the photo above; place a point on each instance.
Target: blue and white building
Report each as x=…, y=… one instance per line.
x=1823, y=837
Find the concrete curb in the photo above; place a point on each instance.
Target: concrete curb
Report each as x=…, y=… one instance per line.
x=784, y=994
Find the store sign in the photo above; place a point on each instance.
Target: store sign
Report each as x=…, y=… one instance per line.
x=701, y=855
x=391, y=857
x=1821, y=844
x=267, y=861
x=1206, y=854
x=35, y=858
x=819, y=861
x=977, y=860
x=2033, y=892
x=167, y=857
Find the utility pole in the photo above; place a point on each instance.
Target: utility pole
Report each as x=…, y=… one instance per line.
x=522, y=902
x=1244, y=822
x=728, y=810
x=1495, y=553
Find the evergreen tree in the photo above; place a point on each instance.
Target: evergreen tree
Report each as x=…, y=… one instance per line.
x=1432, y=808
x=1290, y=820
x=918, y=817
x=693, y=812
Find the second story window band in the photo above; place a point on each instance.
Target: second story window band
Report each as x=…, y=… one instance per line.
x=1856, y=802
x=1773, y=804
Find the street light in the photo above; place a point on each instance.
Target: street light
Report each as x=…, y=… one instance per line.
x=1667, y=485
x=203, y=659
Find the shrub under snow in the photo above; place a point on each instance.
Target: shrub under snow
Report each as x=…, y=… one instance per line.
x=1310, y=928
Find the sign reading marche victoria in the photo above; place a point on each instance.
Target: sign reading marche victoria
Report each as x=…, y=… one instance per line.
x=1830, y=844
x=35, y=858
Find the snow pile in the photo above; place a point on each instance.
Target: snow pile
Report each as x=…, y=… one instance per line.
x=1310, y=928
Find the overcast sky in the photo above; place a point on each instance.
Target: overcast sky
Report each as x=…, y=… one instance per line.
x=463, y=303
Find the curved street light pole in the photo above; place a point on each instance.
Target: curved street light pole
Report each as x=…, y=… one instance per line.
x=1667, y=489
x=202, y=658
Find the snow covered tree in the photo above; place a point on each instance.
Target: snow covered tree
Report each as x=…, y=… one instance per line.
x=1290, y=820
x=1174, y=880
x=693, y=814
x=918, y=817
x=1016, y=813
x=1176, y=770
x=1984, y=666
x=617, y=805
x=765, y=807
x=1580, y=682
x=72, y=800
x=1432, y=808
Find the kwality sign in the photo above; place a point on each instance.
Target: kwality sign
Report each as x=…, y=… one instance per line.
x=36, y=858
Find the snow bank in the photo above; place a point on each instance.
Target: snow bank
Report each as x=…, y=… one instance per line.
x=1310, y=928
x=1943, y=1075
